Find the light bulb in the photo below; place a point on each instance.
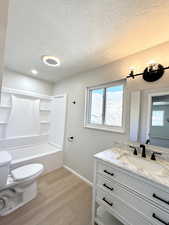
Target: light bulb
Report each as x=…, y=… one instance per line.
x=152, y=63
x=34, y=72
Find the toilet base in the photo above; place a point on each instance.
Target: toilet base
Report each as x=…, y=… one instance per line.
x=15, y=197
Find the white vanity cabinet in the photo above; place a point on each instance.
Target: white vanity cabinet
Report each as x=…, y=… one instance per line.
x=128, y=197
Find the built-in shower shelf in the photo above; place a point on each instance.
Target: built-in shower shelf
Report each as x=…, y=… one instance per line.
x=3, y=123
x=5, y=106
x=45, y=110
x=44, y=122
x=44, y=134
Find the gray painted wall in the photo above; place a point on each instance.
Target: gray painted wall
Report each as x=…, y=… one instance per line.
x=3, y=27
x=22, y=82
x=78, y=155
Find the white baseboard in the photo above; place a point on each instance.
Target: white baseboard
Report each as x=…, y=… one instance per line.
x=80, y=176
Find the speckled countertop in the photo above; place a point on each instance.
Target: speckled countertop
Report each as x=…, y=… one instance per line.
x=157, y=171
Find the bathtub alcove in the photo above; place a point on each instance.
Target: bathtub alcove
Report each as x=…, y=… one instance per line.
x=32, y=128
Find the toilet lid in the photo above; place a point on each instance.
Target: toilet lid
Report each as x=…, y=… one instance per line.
x=27, y=171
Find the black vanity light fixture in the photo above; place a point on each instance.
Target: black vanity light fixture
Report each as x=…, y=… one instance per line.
x=151, y=73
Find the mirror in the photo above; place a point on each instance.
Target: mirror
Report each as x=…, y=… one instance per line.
x=159, y=121
x=149, y=117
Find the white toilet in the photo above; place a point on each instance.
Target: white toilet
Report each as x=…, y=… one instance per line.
x=18, y=186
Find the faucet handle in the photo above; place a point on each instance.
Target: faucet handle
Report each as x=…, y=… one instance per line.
x=153, y=156
x=134, y=148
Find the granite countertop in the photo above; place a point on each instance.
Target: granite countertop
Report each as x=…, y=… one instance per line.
x=157, y=171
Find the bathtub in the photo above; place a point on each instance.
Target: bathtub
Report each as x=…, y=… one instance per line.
x=50, y=156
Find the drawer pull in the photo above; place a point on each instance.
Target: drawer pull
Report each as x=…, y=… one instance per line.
x=111, y=174
x=159, y=219
x=109, y=203
x=163, y=200
x=105, y=185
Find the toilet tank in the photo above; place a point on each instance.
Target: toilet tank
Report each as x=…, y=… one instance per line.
x=5, y=161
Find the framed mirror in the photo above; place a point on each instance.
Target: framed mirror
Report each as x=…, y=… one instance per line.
x=149, y=117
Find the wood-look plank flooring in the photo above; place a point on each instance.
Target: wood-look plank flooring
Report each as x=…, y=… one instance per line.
x=63, y=199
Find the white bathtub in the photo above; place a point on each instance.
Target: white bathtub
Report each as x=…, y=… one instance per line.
x=48, y=155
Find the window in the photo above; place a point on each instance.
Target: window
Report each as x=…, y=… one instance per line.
x=104, y=107
x=96, y=106
x=158, y=118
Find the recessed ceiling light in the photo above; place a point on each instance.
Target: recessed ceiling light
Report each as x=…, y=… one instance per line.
x=50, y=61
x=34, y=72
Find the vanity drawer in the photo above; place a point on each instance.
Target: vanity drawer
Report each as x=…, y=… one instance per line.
x=148, y=189
x=131, y=199
x=107, y=185
x=119, y=209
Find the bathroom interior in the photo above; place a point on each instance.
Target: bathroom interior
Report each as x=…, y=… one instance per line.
x=84, y=112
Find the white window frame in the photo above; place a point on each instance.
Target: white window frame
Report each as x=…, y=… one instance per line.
x=109, y=128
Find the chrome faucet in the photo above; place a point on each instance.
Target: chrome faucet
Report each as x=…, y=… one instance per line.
x=143, y=152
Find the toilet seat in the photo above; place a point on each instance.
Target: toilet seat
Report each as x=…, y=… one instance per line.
x=26, y=172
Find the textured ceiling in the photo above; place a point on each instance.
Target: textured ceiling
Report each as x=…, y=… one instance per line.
x=83, y=34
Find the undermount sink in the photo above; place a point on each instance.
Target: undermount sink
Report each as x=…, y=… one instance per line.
x=145, y=164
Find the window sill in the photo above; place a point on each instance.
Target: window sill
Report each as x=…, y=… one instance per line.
x=104, y=128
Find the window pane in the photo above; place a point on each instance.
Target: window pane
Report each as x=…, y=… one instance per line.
x=96, y=106
x=158, y=118
x=114, y=106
